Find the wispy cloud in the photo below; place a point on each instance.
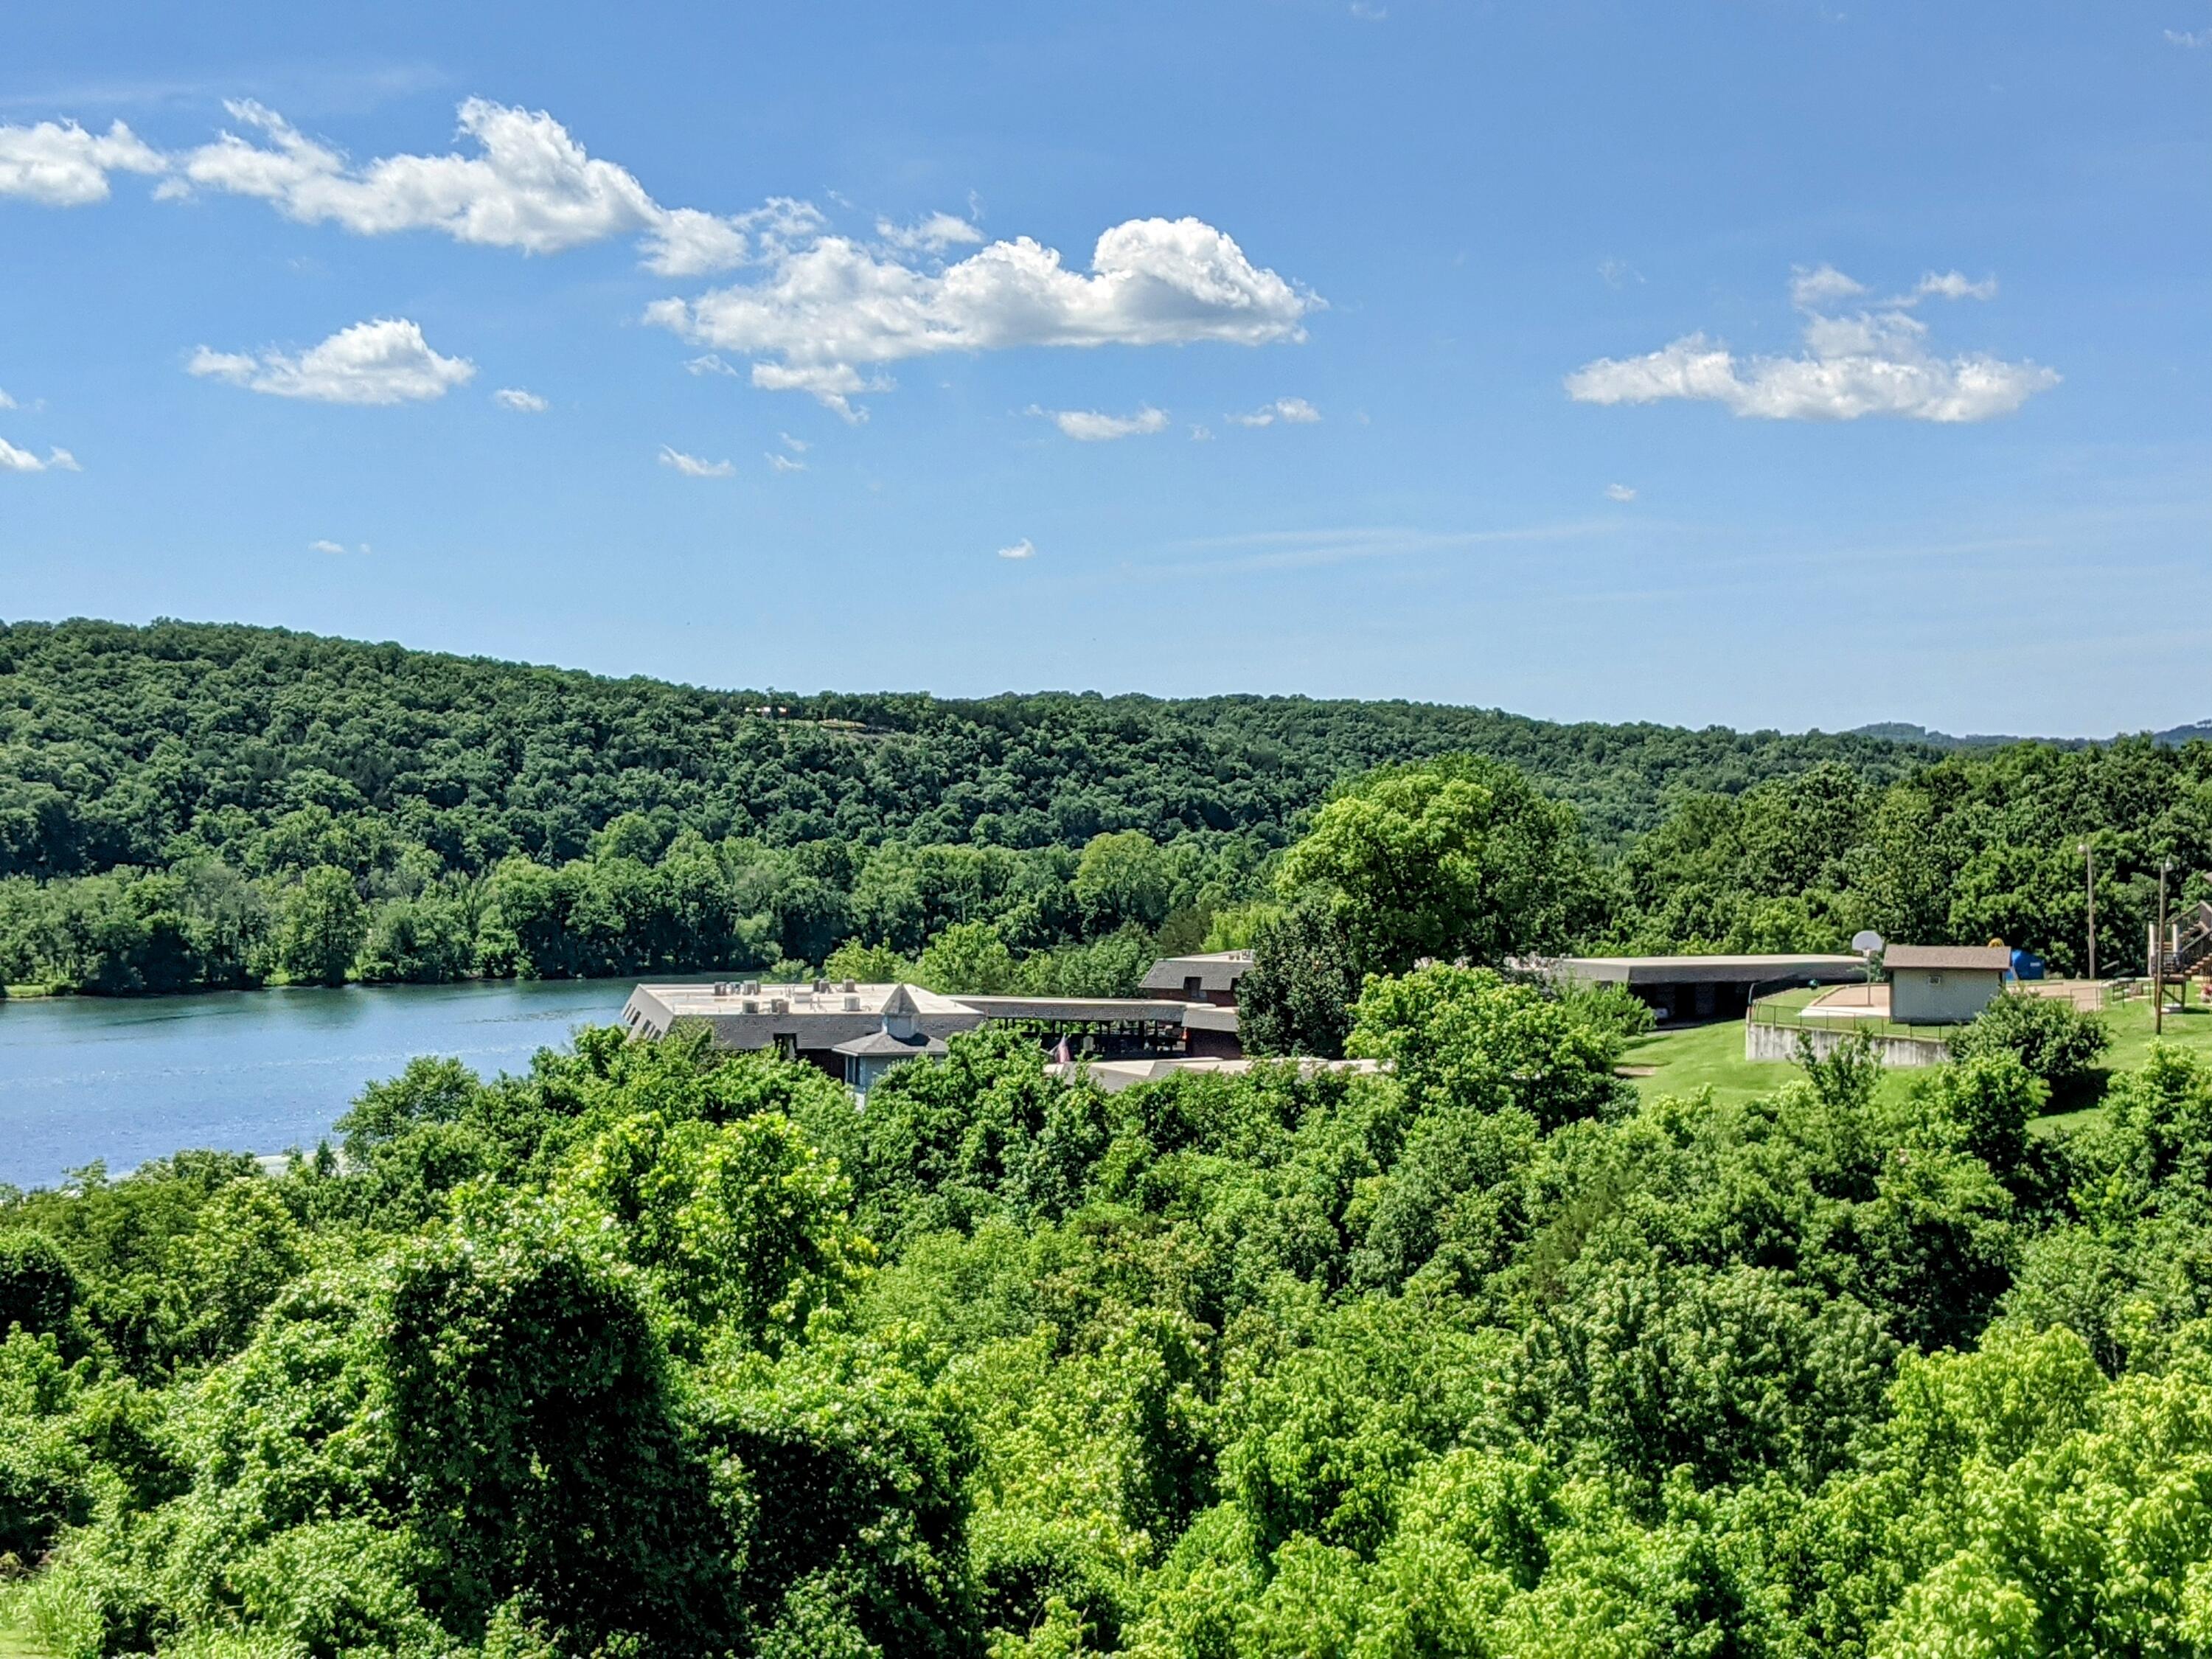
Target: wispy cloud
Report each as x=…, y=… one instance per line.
x=1619, y=492
x=2191, y=39
x=1873, y=360
x=931, y=235
x=1023, y=549
x=1089, y=426
x=796, y=446
x=691, y=466
x=1307, y=549
x=380, y=362
x=784, y=463
x=1293, y=411
x=707, y=364
x=521, y=402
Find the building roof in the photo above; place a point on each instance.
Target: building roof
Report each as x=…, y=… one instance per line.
x=1205, y=1017
x=1704, y=970
x=1104, y=1010
x=877, y=1044
x=728, y=997
x=1984, y=958
x=1115, y=1075
x=1214, y=970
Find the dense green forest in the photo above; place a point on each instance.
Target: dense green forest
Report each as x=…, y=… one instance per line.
x=653, y=1352
x=185, y=805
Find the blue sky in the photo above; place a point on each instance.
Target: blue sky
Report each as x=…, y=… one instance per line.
x=1763, y=364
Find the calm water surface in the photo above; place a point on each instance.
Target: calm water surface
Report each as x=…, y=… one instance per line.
x=85, y=1078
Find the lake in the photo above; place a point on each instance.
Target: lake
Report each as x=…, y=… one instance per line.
x=127, y=1080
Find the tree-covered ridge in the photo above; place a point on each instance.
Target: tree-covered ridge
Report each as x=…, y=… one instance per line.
x=143, y=746
x=1974, y=848
x=657, y=1352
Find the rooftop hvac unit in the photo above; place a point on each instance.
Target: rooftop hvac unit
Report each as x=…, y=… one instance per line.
x=750, y=987
x=778, y=1005
x=850, y=985
x=852, y=1005
x=722, y=988
x=821, y=988
x=751, y=1006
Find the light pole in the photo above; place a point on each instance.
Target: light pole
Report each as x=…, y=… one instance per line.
x=2157, y=956
x=2089, y=856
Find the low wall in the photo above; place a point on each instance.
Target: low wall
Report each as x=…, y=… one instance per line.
x=1763, y=1041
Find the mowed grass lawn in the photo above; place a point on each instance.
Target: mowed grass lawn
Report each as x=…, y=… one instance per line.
x=1711, y=1056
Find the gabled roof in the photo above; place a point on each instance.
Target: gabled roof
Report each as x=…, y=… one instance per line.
x=883, y=1043
x=1986, y=958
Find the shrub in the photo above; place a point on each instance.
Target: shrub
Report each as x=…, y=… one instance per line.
x=2056, y=1040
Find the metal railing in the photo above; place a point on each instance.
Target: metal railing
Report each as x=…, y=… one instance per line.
x=1841, y=1020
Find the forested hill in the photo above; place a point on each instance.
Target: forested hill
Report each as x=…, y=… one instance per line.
x=143, y=746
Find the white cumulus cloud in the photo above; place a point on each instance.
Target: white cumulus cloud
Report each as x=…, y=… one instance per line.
x=321, y=545
x=1090, y=426
x=59, y=164
x=1293, y=411
x=1620, y=493
x=829, y=307
x=1023, y=549
x=527, y=185
x=384, y=361
x=1874, y=360
x=691, y=466
x=521, y=402
x=13, y=459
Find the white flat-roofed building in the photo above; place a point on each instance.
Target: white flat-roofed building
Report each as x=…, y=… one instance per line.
x=856, y=1032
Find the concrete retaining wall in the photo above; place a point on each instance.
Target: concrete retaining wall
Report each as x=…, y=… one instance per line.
x=1780, y=1042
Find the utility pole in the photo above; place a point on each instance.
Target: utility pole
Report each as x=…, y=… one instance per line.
x=2157, y=960
x=2089, y=854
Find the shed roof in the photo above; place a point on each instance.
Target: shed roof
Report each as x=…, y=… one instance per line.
x=1704, y=970
x=1986, y=959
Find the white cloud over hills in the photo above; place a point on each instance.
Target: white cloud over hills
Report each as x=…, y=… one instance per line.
x=380, y=363
x=1874, y=360
x=824, y=313
x=829, y=309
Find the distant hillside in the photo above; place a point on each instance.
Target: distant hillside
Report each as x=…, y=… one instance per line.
x=1903, y=732
x=125, y=745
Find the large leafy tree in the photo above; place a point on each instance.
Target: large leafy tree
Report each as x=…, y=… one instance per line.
x=1459, y=857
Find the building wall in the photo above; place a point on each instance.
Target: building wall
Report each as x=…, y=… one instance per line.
x=1762, y=1041
x=1213, y=1045
x=1941, y=996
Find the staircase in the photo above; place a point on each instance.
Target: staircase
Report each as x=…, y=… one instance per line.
x=2189, y=943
